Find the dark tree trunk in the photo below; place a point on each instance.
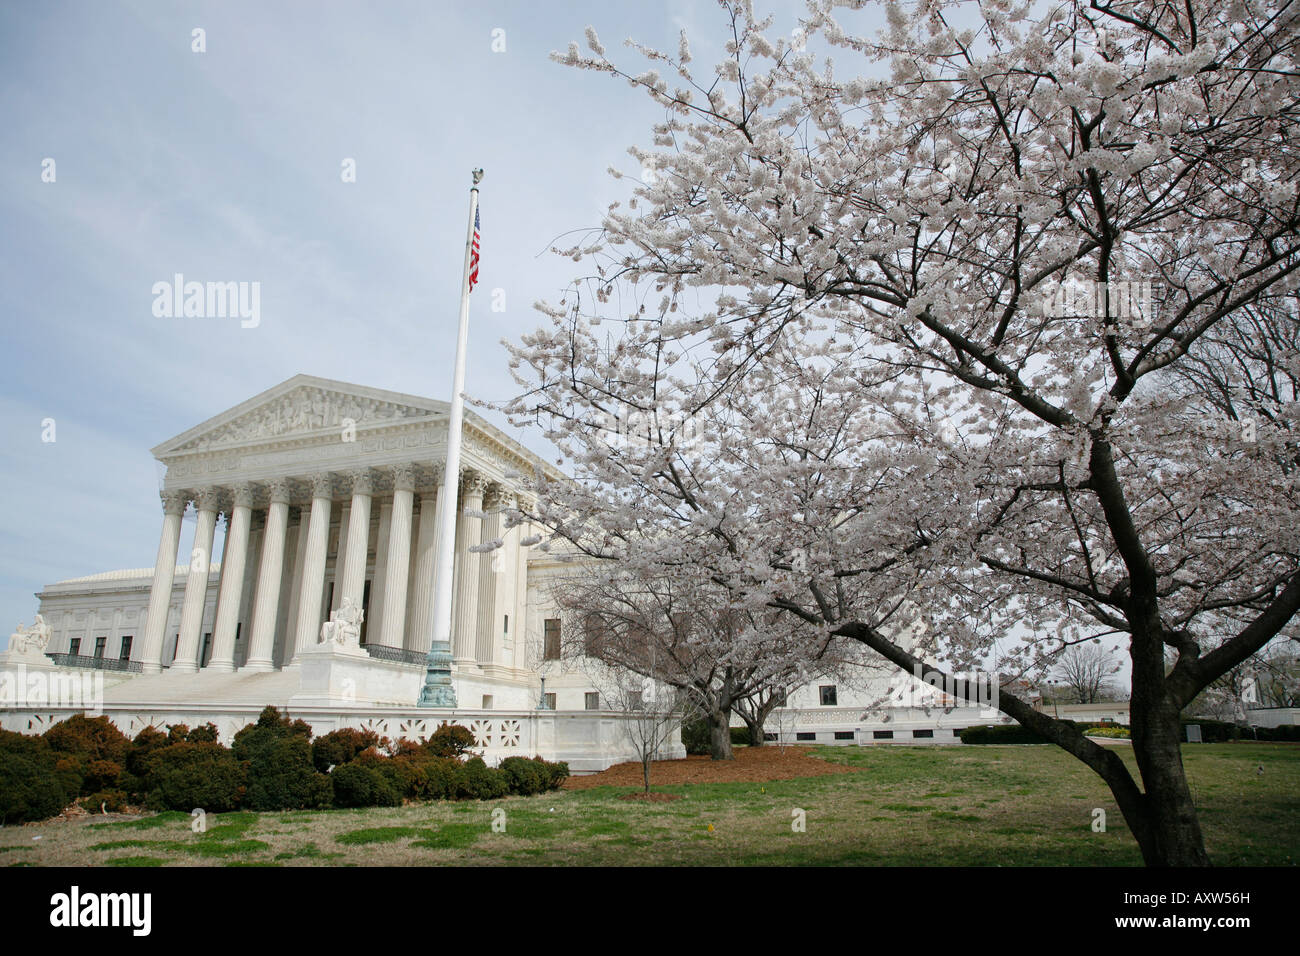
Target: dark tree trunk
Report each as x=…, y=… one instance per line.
x=755, y=725
x=719, y=722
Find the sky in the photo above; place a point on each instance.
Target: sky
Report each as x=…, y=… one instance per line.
x=227, y=165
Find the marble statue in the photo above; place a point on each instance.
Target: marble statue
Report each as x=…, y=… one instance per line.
x=344, y=626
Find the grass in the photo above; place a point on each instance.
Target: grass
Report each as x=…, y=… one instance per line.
x=981, y=806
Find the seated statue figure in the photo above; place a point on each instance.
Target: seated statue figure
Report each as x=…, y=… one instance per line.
x=344, y=625
x=29, y=640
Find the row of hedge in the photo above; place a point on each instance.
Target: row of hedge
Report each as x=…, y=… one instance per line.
x=1212, y=731
x=273, y=764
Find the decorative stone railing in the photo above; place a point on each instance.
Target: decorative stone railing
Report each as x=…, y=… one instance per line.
x=96, y=663
x=401, y=655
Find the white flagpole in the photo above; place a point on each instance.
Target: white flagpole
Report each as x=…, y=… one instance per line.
x=438, y=690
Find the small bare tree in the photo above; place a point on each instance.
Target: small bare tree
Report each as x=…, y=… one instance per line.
x=652, y=712
x=1086, y=669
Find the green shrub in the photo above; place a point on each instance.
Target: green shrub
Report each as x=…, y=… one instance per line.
x=280, y=773
x=695, y=737
x=478, y=781
x=30, y=787
x=89, y=750
x=341, y=746
x=90, y=738
x=525, y=777
x=363, y=785
x=183, y=776
x=740, y=735
x=1280, y=732
x=433, y=778
x=145, y=743
x=1214, y=731
x=450, y=740
x=557, y=772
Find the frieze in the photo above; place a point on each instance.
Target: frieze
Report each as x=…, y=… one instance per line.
x=303, y=411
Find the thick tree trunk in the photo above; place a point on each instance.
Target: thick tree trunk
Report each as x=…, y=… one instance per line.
x=719, y=722
x=755, y=725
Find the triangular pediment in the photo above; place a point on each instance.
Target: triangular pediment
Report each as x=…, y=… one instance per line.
x=300, y=408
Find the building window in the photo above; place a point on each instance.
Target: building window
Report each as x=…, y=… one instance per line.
x=922, y=734
x=125, y=653
x=100, y=644
x=805, y=735
x=828, y=695
x=634, y=701
x=956, y=731
x=487, y=701
x=593, y=700
x=74, y=647
x=206, y=654
x=843, y=735
x=507, y=625
x=550, y=701
x=882, y=735
x=551, y=639
x=768, y=735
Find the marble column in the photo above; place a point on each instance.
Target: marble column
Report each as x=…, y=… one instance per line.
x=233, y=558
x=353, y=581
x=419, y=629
x=393, y=621
x=266, y=605
x=469, y=532
x=295, y=588
x=345, y=522
x=489, y=577
x=164, y=573
x=375, y=617
x=196, y=584
x=313, y=567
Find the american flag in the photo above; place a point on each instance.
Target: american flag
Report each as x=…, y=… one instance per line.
x=473, y=254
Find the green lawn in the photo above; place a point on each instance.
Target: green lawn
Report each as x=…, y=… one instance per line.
x=982, y=806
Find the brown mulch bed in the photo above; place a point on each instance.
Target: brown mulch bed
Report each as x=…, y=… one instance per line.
x=752, y=765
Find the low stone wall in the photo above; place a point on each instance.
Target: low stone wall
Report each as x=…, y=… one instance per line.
x=589, y=741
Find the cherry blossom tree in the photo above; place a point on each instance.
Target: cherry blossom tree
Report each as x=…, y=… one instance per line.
x=913, y=326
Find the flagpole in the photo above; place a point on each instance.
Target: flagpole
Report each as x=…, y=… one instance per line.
x=438, y=690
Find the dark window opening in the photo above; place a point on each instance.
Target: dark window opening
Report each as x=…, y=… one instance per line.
x=843, y=735
x=828, y=695
x=551, y=639
x=882, y=735
x=921, y=734
x=100, y=644
x=125, y=653
x=805, y=736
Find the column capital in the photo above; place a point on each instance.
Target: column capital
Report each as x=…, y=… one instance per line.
x=322, y=485
x=281, y=490
x=404, y=477
x=473, y=483
x=363, y=481
x=497, y=496
x=174, y=502
x=242, y=494
x=209, y=499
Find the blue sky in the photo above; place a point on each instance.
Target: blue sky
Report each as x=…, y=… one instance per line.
x=225, y=165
